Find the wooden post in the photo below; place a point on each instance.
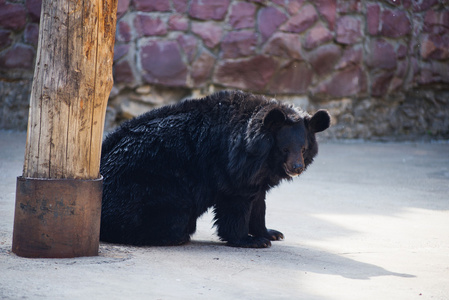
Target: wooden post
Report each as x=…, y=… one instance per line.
x=71, y=84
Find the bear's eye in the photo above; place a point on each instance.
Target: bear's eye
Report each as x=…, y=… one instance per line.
x=285, y=150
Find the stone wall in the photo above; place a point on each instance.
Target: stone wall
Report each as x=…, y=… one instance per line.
x=380, y=67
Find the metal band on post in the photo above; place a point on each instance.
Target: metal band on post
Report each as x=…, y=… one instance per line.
x=57, y=218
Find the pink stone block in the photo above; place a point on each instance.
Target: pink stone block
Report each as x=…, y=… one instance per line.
x=401, y=51
x=328, y=10
x=302, y=21
x=12, y=16
x=239, y=44
x=395, y=23
x=249, y=74
x=122, y=7
x=436, y=21
x=351, y=57
x=407, y=3
x=5, y=39
x=433, y=17
x=348, y=30
x=324, y=58
x=317, y=36
x=292, y=6
x=381, y=55
x=269, y=19
x=349, y=6
x=32, y=34
x=380, y=83
x=163, y=64
x=147, y=6
x=120, y=51
x=178, y=23
x=180, y=6
x=202, y=68
x=209, y=10
x=146, y=25
x=18, y=57
x=242, y=15
x=287, y=45
x=209, y=32
x=435, y=46
x=189, y=44
x=294, y=78
x=123, y=72
x=123, y=32
x=373, y=19
x=348, y=82
x=34, y=8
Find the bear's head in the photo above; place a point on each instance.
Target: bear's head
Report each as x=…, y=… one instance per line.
x=295, y=144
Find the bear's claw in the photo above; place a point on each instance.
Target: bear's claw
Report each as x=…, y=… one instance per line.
x=274, y=235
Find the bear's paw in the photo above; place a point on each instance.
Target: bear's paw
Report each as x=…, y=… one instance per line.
x=251, y=242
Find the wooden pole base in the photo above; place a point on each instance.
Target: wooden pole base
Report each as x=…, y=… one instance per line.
x=57, y=218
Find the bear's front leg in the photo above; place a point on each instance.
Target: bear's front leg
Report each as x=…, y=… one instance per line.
x=232, y=215
x=257, y=221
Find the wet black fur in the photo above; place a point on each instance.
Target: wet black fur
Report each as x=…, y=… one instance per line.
x=165, y=168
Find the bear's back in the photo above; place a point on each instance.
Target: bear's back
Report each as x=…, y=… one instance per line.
x=219, y=110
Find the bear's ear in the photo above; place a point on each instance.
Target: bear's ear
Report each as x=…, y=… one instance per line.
x=274, y=119
x=320, y=121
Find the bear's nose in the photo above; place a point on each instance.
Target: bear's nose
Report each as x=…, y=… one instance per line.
x=298, y=167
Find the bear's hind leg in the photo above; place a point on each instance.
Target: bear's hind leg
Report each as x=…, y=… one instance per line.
x=166, y=228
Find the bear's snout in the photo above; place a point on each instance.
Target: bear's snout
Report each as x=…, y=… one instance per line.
x=298, y=168
x=294, y=170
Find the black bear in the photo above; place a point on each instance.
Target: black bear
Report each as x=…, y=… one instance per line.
x=165, y=168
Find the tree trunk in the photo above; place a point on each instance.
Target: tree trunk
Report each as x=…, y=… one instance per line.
x=58, y=197
x=71, y=85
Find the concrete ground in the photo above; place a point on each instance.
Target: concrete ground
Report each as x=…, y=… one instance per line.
x=366, y=221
